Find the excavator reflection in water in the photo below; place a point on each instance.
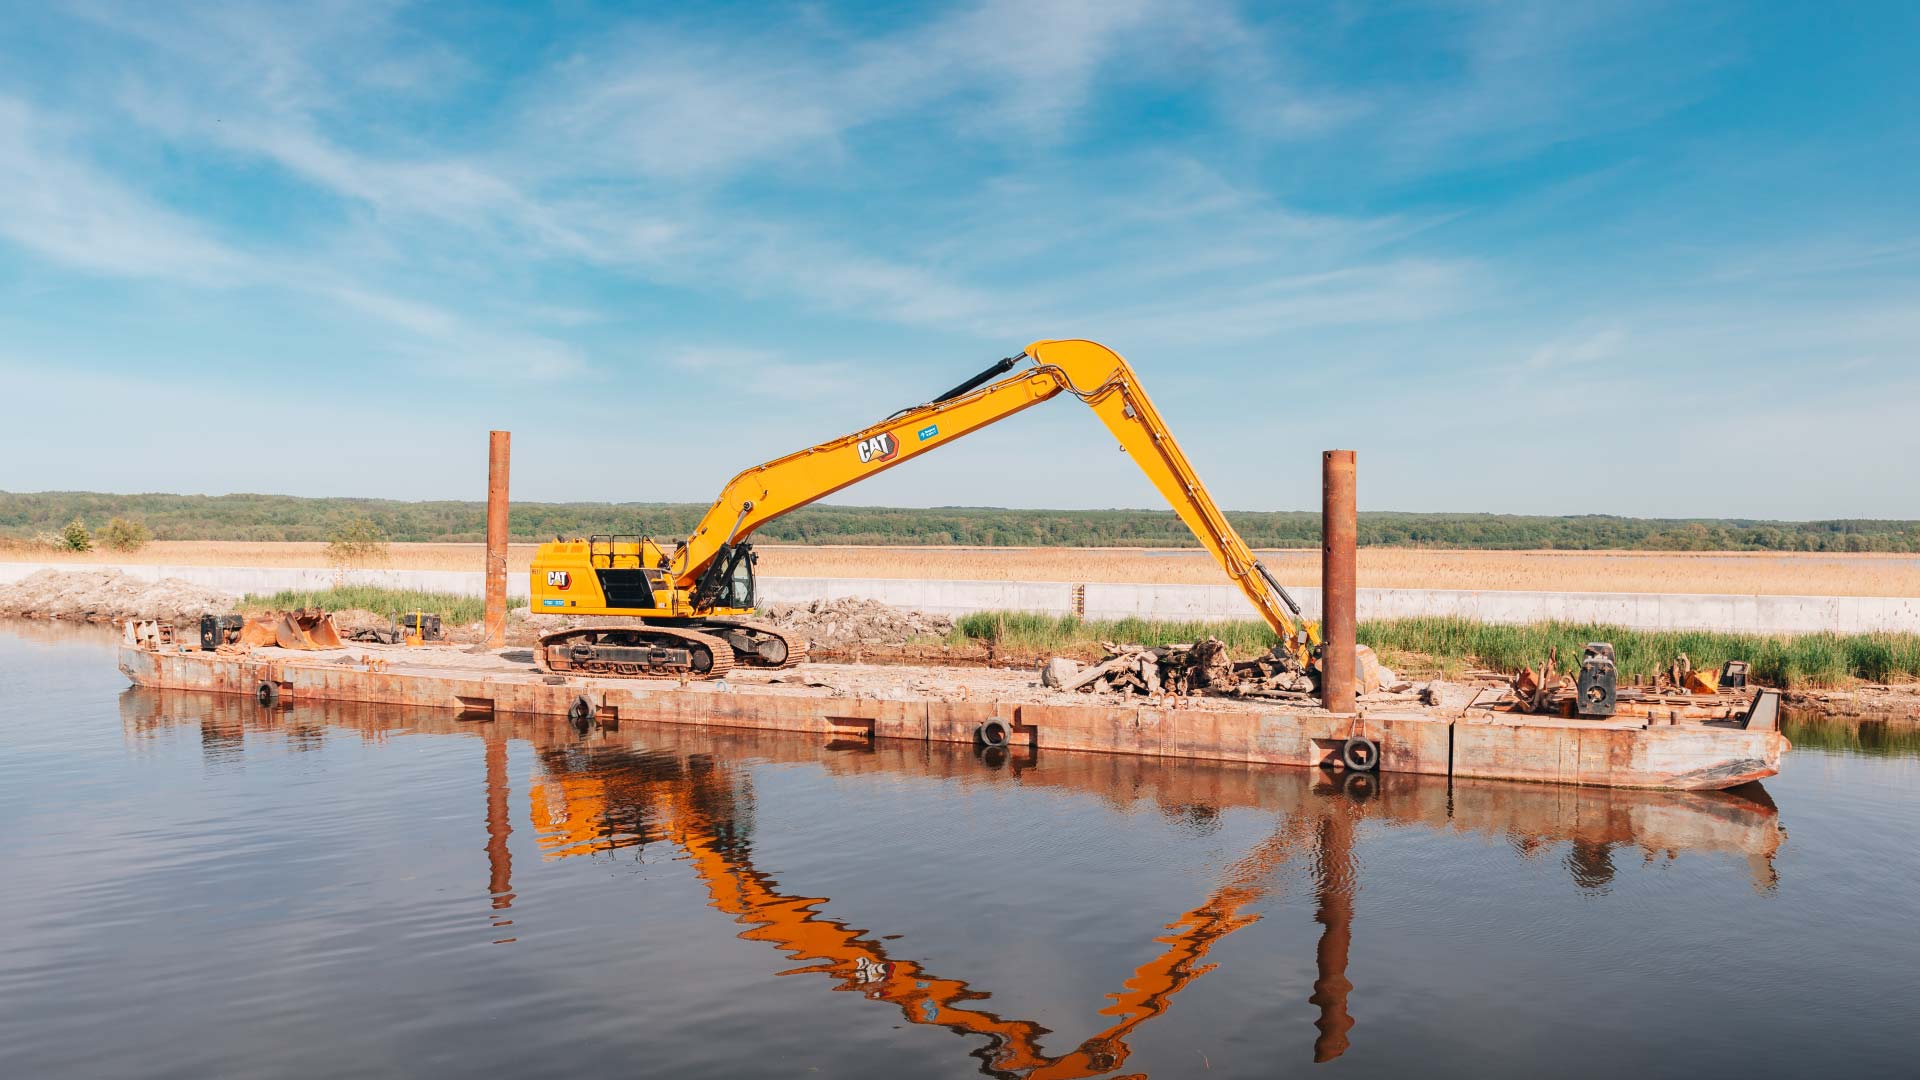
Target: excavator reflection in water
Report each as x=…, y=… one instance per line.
x=609, y=793
x=602, y=799
x=605, y=803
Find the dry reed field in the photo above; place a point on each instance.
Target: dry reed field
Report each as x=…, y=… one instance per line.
x=249, y=553
x=1553, y=571
x=1386, y=568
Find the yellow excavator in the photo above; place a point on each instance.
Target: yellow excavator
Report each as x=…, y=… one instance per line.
x=692, y=602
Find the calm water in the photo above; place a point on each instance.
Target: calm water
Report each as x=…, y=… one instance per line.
x=193, y=886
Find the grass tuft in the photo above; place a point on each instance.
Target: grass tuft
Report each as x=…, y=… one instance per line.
x=1454, y=644
x=453, y=608
x=1022, y=630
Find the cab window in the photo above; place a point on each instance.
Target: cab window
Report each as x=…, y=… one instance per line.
x=739, y=589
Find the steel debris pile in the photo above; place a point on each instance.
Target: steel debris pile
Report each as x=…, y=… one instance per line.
x=1595, y=689
x=1202, y=667
x=305, y=629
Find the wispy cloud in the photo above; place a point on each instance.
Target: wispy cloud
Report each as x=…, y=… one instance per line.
x=444, y=341
x=730, y=370
x=73, y=213
x=612, y=159
x=1536, y=72
x=70, y=212
x=1577, y=350
x=661, y=102
x=1282, y=307
x=1820, y=256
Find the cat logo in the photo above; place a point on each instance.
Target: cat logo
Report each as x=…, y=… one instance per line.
x=881, y=447
x=558, y=579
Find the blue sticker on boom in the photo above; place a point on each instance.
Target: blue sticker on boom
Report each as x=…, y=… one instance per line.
x=929, y=432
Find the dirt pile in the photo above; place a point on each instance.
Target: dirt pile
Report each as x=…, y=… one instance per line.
x=109, y=596
x=839, y=624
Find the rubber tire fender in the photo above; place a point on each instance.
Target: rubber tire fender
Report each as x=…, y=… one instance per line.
x=1360, y=753
x=580, y=714
x=267, y=694
x=993, y=733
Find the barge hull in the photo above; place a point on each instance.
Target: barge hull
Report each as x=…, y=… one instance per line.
x=1604, y=754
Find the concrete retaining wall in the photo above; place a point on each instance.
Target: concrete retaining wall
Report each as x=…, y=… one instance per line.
x=241, y=580
x=937, y=597
x=1651, y=611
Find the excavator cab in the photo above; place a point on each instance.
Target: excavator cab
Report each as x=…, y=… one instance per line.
x=731, y=581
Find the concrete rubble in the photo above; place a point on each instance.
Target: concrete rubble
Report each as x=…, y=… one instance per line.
x=1202, y=668
x=838, y=624
x=109, y=596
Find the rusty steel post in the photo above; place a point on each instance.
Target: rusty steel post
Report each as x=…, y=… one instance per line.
x=498, y=444
x=1339, y=535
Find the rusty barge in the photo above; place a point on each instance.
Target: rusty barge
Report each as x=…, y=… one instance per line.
x=931, y=704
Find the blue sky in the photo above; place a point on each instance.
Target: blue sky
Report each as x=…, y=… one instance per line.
x=1556, y=258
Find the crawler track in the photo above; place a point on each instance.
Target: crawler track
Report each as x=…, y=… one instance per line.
x=756, y=644
x=635, y=652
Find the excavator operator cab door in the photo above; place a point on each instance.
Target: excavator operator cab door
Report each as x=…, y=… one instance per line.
x=736, y=587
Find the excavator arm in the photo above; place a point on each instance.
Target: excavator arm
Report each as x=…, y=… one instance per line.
x=1088, y=371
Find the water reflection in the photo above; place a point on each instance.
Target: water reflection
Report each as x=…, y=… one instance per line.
x=1892, y=735
x=691, y=791
x=685, y=795
x=1333, y=888
x=499, y=827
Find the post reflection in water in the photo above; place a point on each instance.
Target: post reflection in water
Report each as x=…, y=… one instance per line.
x=1333, y=885
x=499, y=826
x=692, y=790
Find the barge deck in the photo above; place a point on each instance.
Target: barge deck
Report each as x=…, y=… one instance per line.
x=936, y=704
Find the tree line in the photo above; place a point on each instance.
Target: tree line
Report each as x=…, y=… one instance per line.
x=285, y=517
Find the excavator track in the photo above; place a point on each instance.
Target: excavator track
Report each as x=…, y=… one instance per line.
x=756, y=644
x=635, y=652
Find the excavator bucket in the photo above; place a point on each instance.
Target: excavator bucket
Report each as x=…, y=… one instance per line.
x=319, y=627
x=259, y=631
x=306, y=630
x=287, y=633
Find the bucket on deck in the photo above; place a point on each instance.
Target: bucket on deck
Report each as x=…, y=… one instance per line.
x=305, y=629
